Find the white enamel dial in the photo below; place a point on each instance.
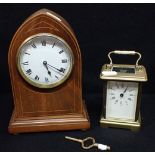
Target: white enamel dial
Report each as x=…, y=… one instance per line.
x=121, y=100
x=45, y=61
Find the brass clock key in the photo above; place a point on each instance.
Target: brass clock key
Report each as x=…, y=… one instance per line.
x=93, y=144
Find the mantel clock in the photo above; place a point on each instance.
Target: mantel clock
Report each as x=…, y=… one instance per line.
x=122, y=93
x=45, y=71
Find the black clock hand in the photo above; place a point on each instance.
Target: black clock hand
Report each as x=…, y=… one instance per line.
x=55, y=68
x=45, y=64
x=125, y=90
x=60, y=71
x=122, y=94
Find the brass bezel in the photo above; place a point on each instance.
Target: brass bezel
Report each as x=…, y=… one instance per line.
x=37, y=84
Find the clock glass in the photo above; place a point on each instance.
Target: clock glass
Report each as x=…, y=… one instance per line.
x=121, y=100
x=45, y=60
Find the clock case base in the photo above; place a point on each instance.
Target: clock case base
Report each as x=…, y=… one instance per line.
x=35, y=124
x=133, y=126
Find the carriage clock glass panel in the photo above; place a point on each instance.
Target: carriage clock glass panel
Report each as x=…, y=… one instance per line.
x=44, y=60
x=121, y=100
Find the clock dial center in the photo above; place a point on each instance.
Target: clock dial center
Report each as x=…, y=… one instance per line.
x=121, y=95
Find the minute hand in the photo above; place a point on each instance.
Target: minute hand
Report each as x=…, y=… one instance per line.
x=55, y=68
x=125, y=90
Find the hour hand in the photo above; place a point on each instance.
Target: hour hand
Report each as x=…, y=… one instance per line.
x=45, y=64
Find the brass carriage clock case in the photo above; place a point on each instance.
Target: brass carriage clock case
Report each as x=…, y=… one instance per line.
x=122, y=73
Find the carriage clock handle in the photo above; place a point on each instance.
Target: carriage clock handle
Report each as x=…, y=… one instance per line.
x=125, y=53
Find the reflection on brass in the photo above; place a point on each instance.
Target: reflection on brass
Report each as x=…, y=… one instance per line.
x=139, y=75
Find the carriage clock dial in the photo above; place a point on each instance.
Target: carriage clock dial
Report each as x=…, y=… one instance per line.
x=121, y=96
x=45, y=61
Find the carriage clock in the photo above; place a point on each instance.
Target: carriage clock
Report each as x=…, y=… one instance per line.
x=122, y=93
x=45, y=70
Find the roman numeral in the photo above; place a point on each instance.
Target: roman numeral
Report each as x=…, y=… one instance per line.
x=64, y=61
x=27, y=53
x=61, y=51
x=29, y=71
x=43, y=42
x=113, y=98
x=131, y=90
x=36, y=77
x=62, y=70
x=109, y=87
x=53, y=45
x=33, y=45
x=129, y=99
x=25, y=63
x=46, y=79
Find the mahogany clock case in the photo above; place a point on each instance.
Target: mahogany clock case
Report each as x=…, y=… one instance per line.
x=50, y=109
x=99, y=28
